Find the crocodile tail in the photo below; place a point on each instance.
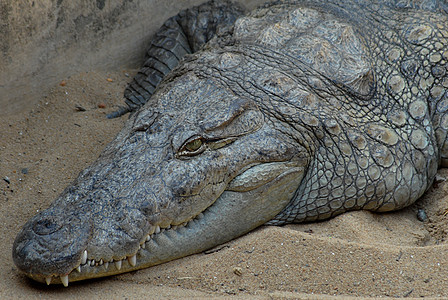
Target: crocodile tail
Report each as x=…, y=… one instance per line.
x=180, y=35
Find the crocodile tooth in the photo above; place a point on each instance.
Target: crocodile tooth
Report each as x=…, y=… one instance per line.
x=169, y=227
x=92, y=262
x=118, y=264
x=157, y=229
x=78, y=268
x=151, y=230
x=132, y=260
x=84, y=257
x=174, y=227
x=48, y=280
x=148, y=238
x=106, y=265
x=64, y=280
x=143, y=246
x=101, y=262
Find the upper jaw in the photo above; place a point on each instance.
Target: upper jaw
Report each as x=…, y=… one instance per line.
x=93, y=256
x=154, y=242
x=44, y=251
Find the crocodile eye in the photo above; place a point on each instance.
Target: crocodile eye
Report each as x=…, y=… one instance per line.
x=193, y=146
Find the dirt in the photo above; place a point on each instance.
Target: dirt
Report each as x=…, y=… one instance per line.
x=357, y=254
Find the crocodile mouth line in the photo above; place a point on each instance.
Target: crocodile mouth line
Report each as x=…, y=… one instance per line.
x=86, y=265
x=103, y=267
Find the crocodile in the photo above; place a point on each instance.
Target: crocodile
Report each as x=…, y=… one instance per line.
x=294, y=112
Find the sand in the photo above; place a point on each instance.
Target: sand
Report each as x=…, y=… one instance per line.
x=358, y=254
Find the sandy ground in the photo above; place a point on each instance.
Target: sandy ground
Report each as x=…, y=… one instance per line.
x=356, y=254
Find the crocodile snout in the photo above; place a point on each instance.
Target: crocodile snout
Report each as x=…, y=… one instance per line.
x=42, y=248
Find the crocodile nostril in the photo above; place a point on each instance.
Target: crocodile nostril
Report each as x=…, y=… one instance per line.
x=45, y=227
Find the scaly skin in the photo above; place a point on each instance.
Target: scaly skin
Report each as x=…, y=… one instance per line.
x=304, y=111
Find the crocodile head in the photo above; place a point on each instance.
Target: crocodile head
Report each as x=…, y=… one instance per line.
x=196, y=167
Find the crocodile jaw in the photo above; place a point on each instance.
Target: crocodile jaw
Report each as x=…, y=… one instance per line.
x=231, y=215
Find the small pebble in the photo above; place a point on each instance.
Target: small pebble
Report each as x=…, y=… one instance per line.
x=109, y=79
x=79, y=108
x=421, y=215
x=238, y=271
x=101, y=105
x=63, y=83
x=408, y=293
x=6, y=178
x=24, y=171
x=439, y=178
